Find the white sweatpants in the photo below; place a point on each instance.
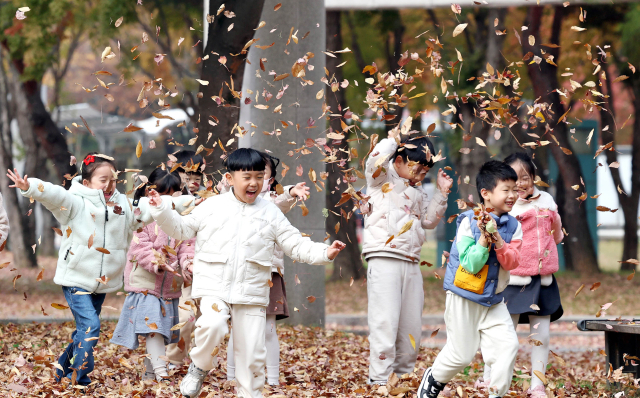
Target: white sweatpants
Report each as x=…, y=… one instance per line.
x=273, y=353
x=248, y=335
x=175, y=355
x=539, y=354
x=396, y=299
x=468, y=325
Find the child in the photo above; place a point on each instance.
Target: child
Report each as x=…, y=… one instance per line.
x=98, y=224
x=533, y=281
x=191, y=170
x=4, y=224
x=394, y=280
x=236, y=235
x=477, y=273
x=278, y=308
x=156, y=266
x=191, y=173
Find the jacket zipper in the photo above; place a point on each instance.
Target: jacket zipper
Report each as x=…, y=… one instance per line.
x=237, y=245
x=104, y=241
x=67, y=255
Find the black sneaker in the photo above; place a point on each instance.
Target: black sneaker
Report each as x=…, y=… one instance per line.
x=429, y=387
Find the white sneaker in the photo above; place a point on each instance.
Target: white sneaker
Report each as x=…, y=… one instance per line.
x=192, y=382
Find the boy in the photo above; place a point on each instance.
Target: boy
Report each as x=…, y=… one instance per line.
x=235, y=235
x=477, y=273
x=394, y=172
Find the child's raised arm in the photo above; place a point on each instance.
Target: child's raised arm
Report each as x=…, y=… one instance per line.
x=379, y=160
x=434, y=209
x=56, y=199
x=144, y=217
x=171, y=222
x=302, y=248
x=288, y=197
x=4, y=223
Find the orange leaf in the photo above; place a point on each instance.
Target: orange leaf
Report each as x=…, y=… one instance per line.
x=103, y=250
x=59, y=306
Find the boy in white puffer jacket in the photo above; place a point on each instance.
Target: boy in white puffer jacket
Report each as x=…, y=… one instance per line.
x=236, y=234
x=393, y=236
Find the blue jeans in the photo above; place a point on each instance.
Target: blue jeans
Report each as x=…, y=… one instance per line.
x=79, y=354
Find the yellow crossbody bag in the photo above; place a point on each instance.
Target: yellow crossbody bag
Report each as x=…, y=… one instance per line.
x=471, y=282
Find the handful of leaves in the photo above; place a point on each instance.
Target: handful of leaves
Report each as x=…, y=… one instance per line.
x=487, y=223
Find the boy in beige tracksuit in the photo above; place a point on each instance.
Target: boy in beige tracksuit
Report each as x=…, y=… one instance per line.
x=236, y=234
x=393, y=236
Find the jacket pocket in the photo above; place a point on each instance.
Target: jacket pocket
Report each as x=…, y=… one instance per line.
x=74, y=255
x=256, y=278
x=210, y=266
x=140, y=278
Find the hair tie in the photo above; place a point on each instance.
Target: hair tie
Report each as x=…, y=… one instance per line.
x=89, y=159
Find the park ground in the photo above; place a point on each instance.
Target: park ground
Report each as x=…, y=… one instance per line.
x=315, y=362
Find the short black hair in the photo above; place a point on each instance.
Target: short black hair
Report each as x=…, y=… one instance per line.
x=526, y=161
x=491, y=173
x=162, y=181
x=91, y=162
x=417, y=154
x=273, y=163
x=186, y=156
x=245, y=159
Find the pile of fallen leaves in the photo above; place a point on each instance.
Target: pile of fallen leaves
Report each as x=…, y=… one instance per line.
x=314, y=363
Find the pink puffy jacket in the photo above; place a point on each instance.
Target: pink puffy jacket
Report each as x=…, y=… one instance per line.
x=542, y=231
x=142, y=273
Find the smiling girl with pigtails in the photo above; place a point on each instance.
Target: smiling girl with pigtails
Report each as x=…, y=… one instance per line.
x=93, y=249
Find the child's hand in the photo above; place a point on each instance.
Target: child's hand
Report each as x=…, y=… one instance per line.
x=187, y=271
x=18, y=182
x=444, y=182
x=154, y=198
x=166, y=267
x=335, y=248
x=301, y=190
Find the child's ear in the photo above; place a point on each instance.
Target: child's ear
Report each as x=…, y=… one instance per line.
x=484, y=193
x=398, y=160
x=229, y=178
x=85, y=183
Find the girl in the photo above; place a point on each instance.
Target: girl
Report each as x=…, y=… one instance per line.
x=533, y=281
x=98, y=224
x=278, y=308
x=153, y=276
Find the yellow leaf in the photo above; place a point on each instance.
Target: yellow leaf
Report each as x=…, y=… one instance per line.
x=139, y=149
x=406, y=227
x=59, y=306
x=540, y=376
x=178, y=326
x=413, y=341
x=386, y=187
x=578, y=291
x=389, y=240
x=459, y=29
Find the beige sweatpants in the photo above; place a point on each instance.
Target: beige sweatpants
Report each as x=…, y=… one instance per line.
x=470, y=325
x=248, y=337
x=396, y=299
x=175, y=355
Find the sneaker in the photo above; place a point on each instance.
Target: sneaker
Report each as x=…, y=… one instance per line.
x=481, y=383
x=192, y=382
x=429, y=387
x=538, y=392
x=376, y=382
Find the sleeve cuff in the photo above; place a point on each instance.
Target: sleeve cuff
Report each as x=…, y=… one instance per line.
x=287, y=195
x=439, y=197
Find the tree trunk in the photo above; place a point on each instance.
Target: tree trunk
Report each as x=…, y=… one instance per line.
x=349, y=263
x=21, y=237
x=578, y=246
x=225, y=43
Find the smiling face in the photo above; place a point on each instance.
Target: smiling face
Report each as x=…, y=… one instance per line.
x=525, y=180
x=501, y=198
x=195, y=181
x=246, y=184
x=103, y=178
x=412, y=171
x=268, y=178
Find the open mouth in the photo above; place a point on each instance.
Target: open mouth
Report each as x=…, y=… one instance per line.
x=510, y=204
x=251, y=193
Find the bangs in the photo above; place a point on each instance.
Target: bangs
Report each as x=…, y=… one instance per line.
x=245, y=159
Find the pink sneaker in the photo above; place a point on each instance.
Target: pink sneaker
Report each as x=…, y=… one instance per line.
x=538, y=392
x=481, y=384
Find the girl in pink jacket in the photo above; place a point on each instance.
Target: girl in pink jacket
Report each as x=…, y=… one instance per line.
x=157, y=266
x=532, y=295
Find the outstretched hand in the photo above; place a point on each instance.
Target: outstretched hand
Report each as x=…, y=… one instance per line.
x=154, y=198
x=335, y=248
x=301, y=190
x=444, y=182
x=18, y=182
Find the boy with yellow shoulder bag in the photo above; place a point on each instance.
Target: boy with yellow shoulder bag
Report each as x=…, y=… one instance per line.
x=486, y=247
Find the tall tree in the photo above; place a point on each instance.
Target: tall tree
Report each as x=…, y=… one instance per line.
x=341, y=222
x=227, y=49
x=579, y=248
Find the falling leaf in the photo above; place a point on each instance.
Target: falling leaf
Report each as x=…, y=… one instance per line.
x=119, y=22
x=459, y=29
x=413, y=341
x=103, y=250
x=480, y=142
x=40, y=275
x=179, y=326
x=595, y=286
x=203, y=82
x=277, y=7
x=131, y=128
x=534, y=307
x=299, y=170
x=139, y=149
x=407, y=226
x=540, y=376
x=311, y=299
x=59, y=306
x=578, y=291
x=435, y=333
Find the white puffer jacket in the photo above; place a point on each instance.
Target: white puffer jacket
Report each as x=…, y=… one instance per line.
x=392, y=210
x=83, y=212
x=284, y=203
x=235, y=243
